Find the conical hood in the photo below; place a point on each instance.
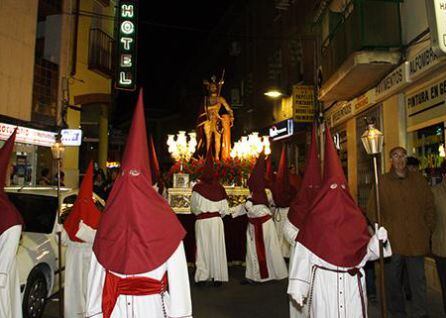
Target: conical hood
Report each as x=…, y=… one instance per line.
x=311, y=183
x=138, y=231
x=5, y=155
x=332, y=164
x=154, y=164
x=256, y=182
x=269, y=175
x=335, y=228
x=136, y=153
x=209, y=186
x=282, y=191
x=84, y=209
x=208, y=173
x=9, y=215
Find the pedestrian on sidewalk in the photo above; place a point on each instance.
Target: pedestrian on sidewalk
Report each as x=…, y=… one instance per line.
x=439, y=235
x=407, y=211
x=209, y=204
x=264, y=260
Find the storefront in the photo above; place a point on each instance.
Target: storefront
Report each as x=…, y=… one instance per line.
x=31, y=154
x=425, y=118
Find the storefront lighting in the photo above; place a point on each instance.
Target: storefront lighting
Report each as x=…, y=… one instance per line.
x=441, y=151
x=273, y=93
x=112, y=164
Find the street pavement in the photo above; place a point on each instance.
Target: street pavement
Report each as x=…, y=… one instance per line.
x=267, y=300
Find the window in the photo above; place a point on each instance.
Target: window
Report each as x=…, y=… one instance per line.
x=38, y=212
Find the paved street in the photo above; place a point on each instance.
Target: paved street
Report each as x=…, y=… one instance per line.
x=266, y=300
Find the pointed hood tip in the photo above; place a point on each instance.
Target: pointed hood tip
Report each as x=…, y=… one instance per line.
x=256, y=182
x=84, y=208
x=332, y=164
x=282, y=191
x=136, y=153
x=311, y=182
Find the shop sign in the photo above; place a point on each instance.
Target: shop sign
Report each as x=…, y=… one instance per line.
x=127, y=14
x=394, y=81
x=342, y=112
x=430, y=99
x=282, y=129
x=28, y=135
x=303, y=103
x=364, y=101
x=436, y=17
x=71, y=137
x=422, y=62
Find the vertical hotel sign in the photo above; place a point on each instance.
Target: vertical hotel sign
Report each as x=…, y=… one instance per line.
x=126, y=44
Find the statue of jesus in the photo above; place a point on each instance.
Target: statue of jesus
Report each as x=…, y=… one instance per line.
x=216, y=125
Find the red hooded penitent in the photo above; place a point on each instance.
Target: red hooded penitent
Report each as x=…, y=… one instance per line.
x=208, y=186
x=269, y=175
x=84, y=208
x=9, y=216
x=256, y=182
x=138, y=231
x=335, y=229
x=154, y=164
x=282, y=191
x=311, y=183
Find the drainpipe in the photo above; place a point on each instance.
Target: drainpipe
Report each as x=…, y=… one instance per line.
x=76, y=31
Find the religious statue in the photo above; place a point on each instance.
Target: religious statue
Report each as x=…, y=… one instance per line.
x=215, y=124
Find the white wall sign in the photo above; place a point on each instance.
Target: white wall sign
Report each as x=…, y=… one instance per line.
x=28, y=135
x=71, y=137
x=394, y=81
x=282, y=129
x=436, y=16
x=422, y=62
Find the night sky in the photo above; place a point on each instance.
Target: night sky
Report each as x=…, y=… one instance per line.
x=172, y=39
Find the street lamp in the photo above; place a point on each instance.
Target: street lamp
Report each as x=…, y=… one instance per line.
x=372, y=140
x=274, y=93
x=57, y=150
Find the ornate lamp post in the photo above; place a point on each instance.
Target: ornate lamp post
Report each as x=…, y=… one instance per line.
x=373, y=139
x=57, y=150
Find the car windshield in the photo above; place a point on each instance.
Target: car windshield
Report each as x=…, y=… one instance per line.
x=38, y=211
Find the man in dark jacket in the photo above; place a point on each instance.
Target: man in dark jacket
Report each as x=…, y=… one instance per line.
x=408, y=214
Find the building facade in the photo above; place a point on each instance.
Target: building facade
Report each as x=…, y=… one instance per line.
x=33, y=63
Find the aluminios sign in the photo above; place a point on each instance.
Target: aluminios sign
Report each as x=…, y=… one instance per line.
x=126, y=44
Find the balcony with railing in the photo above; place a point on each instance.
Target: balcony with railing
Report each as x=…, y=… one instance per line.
x=360, y=48
x=100, y=52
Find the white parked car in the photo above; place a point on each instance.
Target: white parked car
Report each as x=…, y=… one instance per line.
x=37, y=256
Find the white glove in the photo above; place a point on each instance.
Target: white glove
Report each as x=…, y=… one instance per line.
x=299, y=299
x=381, y=233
